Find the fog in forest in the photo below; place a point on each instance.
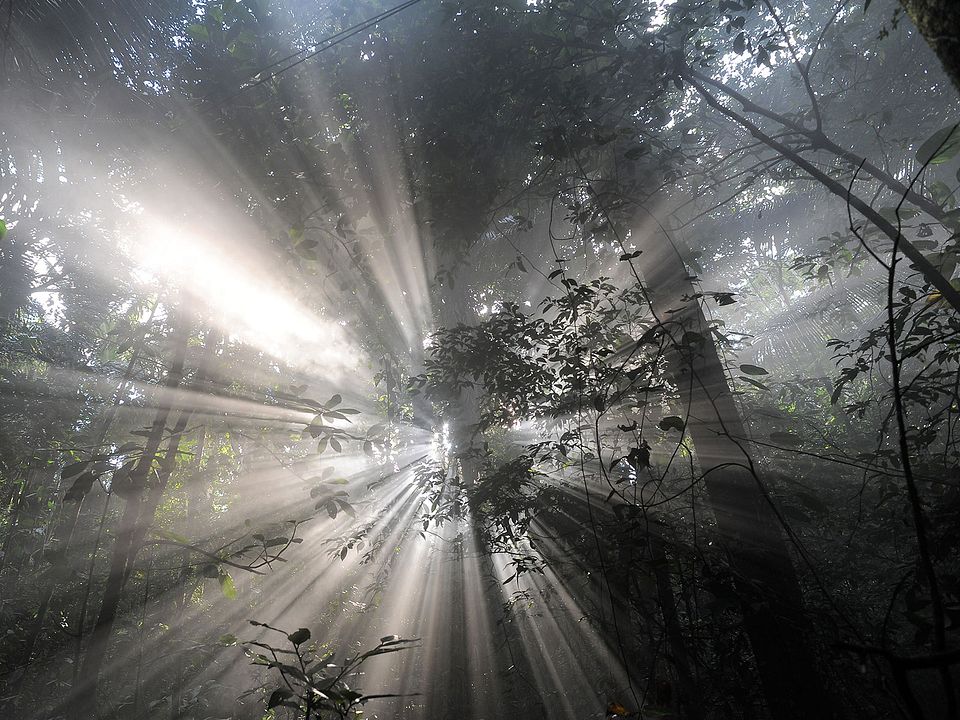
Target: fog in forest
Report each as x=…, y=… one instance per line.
x=472, y=360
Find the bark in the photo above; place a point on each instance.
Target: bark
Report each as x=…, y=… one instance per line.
x=747, y=525
x=939, y=23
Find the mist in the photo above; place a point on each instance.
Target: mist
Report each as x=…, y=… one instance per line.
x=456, y=359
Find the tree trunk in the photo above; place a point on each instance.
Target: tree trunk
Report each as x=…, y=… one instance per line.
x=85, y=693
x=747, y=525
x=939, y=23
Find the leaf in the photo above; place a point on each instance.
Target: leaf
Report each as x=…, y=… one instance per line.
x=3, y=229
x=630, y=256
x=835, y=395
x=755, y=383
x=616, y=708
x=228, y=639
x=941, y=193
x=81, y=486
x=671, y=422
x=740, y=43
x=299, y=637
x=333, y=402
x=198, y=32
x=227, y=587
x=277, y=697
x=940, y=147
x=753, y=370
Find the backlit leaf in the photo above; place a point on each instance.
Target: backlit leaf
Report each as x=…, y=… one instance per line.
x=940, y=147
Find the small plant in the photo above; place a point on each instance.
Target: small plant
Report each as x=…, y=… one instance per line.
x=311, y=682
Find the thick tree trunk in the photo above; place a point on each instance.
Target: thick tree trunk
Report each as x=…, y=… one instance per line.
x=939, y=23
x=747, y=526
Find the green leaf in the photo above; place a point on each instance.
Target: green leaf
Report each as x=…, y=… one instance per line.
x=298, y=637
x=940, y=192
x=228, y=639
x=3, y=229
x=891, y=213
x=227, y=587
x=753, y=370
x=940, y=147
x=199, y=32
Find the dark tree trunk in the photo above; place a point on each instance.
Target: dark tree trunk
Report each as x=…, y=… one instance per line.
x=747, y=525
x=939, y=23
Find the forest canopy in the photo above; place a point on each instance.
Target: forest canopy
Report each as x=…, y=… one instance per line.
x=464, y=359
